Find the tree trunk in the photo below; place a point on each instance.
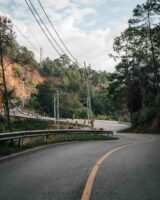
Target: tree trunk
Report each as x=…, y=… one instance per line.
x=153, y=57
x=6, y=102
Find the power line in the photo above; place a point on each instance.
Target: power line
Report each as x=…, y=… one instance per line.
x=98, y=56
x=26, y=38
x=42, y=27
x=40, y=3
x=93, y=48
x=89, y=50
x=102, y=61
x=26, y=57
x=34, y=38
x=56, y=33
x=21, y=32
x=45, y=26
x=32, y=34
x=13, y=1
x=31, y=8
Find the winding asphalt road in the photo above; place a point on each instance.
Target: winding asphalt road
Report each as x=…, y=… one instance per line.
x=60, y=172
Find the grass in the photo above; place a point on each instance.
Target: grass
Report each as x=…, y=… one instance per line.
x=24, y=124
x=7, y=148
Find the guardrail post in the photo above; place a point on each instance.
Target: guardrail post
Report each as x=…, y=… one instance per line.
x=20, y=142
x=66, y=136
x=84, y=135
x=112, y=134
x=45, y=138
x=99, y=135
x=12, y=143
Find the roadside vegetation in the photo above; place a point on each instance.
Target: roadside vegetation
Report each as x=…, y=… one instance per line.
x=131, y=93
x=135, y=85
x=26, y=124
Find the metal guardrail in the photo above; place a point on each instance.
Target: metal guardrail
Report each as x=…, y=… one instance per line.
x=45, y=133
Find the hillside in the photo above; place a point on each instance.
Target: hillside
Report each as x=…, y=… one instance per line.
x=41, y=85
x=15, y=73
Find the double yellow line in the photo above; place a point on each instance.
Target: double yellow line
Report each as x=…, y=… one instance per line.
x=88, y=188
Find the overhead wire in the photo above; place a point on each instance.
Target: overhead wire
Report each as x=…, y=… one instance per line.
x=40, y=3
x=46, y=29
x=31, y=8
x=42, y=28
x=97, y=56
x=42, y=7
x=51, y=34
x=21, y=32
x=26, y=38
x=26, y=57
x=45, y=26
x=30, y=31
x=89, y=50
x=102, y=61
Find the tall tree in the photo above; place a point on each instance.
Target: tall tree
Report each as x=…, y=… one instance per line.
x=6, y=38
x=138, y=49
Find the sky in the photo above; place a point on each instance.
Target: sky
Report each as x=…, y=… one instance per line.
x=87, y=27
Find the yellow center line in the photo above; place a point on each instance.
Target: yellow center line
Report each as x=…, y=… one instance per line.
x=88, y=188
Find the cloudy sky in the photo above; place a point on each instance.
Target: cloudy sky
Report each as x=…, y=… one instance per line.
x=87, y=27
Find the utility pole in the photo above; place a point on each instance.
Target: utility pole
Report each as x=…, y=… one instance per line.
x=89, y=107
x=88, y=115
x=6, y=100
x=55, y=117
x=58, y=107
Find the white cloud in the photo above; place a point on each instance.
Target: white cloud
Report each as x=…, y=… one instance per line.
x=60, y=4
x=91, y=2
x=70, y=23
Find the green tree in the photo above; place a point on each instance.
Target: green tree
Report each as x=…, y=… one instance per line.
x=137, y=75
x=6, y=40
x=44, y=99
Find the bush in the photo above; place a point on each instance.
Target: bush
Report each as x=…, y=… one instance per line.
x=2, y=124
x=147, y=118
x=104, y=117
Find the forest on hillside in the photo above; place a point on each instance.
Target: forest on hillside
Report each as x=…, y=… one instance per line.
x=136, y=81
x=64, y=79
x=131, y=93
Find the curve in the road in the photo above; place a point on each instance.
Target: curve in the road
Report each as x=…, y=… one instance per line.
x=88, y=188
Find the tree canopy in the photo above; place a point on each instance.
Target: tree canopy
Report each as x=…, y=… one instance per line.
x=137, y=76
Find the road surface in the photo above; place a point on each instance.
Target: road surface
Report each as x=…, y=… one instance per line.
x=61, y=172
